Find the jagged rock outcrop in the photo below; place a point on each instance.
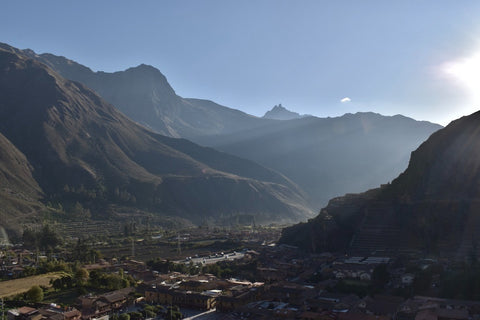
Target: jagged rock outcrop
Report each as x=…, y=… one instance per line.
x=279, y=112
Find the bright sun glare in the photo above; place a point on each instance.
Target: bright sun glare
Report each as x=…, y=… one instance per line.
x=467, y=72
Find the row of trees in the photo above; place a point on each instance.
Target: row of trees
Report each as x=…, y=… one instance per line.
x=95, y=280
x=45, y=238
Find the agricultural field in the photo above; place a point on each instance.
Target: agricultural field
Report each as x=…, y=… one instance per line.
x=13, y=287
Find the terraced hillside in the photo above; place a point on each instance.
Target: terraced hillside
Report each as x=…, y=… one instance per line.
x=378, y=233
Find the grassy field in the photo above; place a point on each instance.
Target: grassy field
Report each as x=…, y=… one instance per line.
x=13, y=287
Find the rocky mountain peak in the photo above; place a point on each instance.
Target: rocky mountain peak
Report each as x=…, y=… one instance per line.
x=279, y=112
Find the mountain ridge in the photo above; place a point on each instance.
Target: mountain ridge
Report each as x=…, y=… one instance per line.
x=82, y=149
x=151, y=101
x=329, y=157
x=325, y=157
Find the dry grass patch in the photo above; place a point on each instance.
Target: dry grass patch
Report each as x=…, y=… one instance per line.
x=13, y=287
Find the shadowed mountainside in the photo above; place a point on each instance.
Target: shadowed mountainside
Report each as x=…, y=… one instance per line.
x=433, y=206
x=80, y=148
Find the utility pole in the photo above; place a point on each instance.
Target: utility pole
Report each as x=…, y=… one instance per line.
x=3, y=313
x=179, y=249
x=133, y=248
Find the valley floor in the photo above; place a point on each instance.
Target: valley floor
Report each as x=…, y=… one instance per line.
x=226, y=273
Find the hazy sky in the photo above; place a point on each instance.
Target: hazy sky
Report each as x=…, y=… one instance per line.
x=413, y=57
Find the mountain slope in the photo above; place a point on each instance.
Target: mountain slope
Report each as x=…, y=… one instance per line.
x=432, y=206
x=82, y=149
x=15, y=171
x=325, y=157
x=331, y=156
x=19, y=192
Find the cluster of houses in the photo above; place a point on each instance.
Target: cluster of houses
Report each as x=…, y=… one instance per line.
x=327, y=306
x=246, y=300
x=360, y=268
x=289, y=286
x=285, y=263
x=97, y=306
x=202, y=292
x=13, y=261
x=292, y=300
x=51, y=312
x=86, y=307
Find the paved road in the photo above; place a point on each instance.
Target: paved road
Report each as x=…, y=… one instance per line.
x=207, y=315
x=211, y=259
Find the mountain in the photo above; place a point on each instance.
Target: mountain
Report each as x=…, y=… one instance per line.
x=279, y=112
x=433, y=206
x=325, y=157
x=79, y=148
x=329, y=157
x=143, y=94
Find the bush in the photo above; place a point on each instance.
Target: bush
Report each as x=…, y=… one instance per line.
x=124, y=316
x=35, y=294
x=136, y=315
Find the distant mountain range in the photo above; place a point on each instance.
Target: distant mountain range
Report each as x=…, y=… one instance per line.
x=432, y=207
x=61, y=144
x=325, y=157
x=328, y=157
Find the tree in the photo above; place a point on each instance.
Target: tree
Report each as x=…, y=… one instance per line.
x=48, y=237
x=124, y=316
x=173, y=313
x=81, y=276
x=380, y=276
x=35, y=294
x=30, y=238
x=423, y=281
x=134, y=315
x=149, y=313
x=79, y=212
x=57, y=284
